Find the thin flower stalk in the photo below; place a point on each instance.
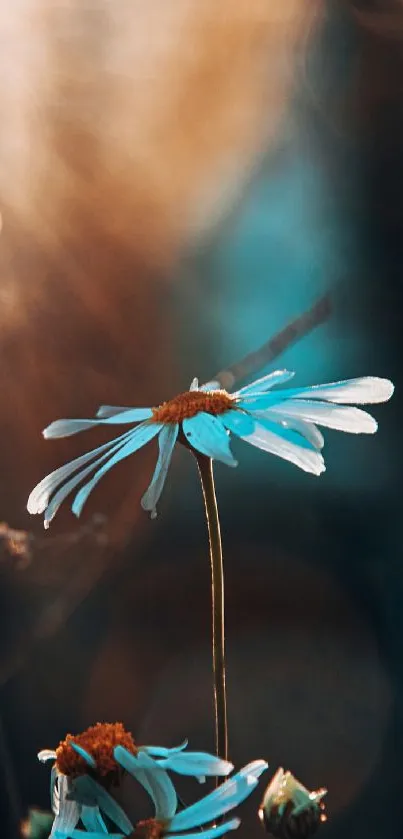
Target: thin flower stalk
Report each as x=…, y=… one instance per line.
x=205, y=466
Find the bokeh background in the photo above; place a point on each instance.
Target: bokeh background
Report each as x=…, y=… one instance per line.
x=178, y=181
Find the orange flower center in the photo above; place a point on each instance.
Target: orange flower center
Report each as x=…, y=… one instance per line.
x=187, y=405
x=99, y=741
x=148, y=829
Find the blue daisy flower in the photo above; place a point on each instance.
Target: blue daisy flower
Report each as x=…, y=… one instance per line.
x=81, y=777
x=80, y=798
x=283, y=423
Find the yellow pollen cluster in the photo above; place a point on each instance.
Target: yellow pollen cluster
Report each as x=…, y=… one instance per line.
x=99, y=741
x=148, y=829
x=192, y=402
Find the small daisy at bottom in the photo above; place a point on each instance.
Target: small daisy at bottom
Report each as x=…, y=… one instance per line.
x=88, y=765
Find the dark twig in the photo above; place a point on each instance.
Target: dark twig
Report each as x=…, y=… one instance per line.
x=293, y=332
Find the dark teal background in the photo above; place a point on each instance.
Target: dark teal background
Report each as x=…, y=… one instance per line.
x=314, y=571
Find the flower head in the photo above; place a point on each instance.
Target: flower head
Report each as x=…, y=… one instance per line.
x=81, y=773
x=282, y=422
x=86, y=766
x=288, y=809
x=94, y=748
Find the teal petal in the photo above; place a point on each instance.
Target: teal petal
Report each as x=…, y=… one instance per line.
x=255, y=768
x=242, y=423
x=46, y=754
x=39, y=497
x=110, y=410
x=196, y=764
x=261, y=401
x=221, y=800
x=139, y=437
x=155, y=781
x=338, y=417
x=67, y=487
x=87, y=791
x=162, y=751
x=208, y=386
x=68, y=427
x=239, y=422
x=92, y=820
x=265, y=383
x=366, y=390
x=67, y=812
x=207, y=435
x=305, y=429
x=166, y=441
x=128, y=416
x=84, y=754
x=285, y=443
x=54, y=796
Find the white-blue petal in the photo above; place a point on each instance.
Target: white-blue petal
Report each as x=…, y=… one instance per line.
x=305, y=429
x=162, y=751
x=139, y=437
x=207, y=435
x=154, y=780
x=87, y=791
x=259, y=419
x=265, y=383
x=130, y=763
x=127, y=416
x=39, y=497
x=111, y=411
x=84, y=754
x=197, y=764
x=338, y=417
x=216, y=804
x=54, y=790
x=54, y=794
x=261, y=401
x=68, y=427
x=166, y=440
x=239, y=422
x=209, y=386
x=254, y=768
x=211, y=833
x=67, y=487
x=92, y=819
x=67, y=812
x=363, y=391
x=46, y=754
x=284, y=443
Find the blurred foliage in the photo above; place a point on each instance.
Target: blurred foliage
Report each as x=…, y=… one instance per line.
x=37, y=825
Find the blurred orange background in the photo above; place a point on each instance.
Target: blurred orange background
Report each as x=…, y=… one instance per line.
x=133, y=138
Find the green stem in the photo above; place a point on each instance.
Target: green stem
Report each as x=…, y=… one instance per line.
x=205, y=465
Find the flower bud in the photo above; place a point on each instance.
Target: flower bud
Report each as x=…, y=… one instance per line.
x=289, y=810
